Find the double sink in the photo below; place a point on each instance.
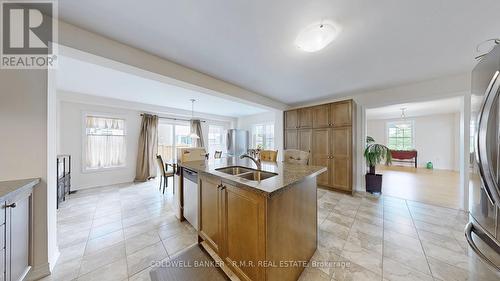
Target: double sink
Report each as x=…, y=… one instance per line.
x=246, y=173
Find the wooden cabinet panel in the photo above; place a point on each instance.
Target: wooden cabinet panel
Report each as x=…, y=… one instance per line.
x=341, y=114
x=305, y=117
x=321, y=143
x=341, y=173
x=321, y=153
x=209, y=211
x=321, y=116
x=305, y=139
x=291, y=119
x=341, y=141
x=244, y=226
x=291, y=139
x=330, y=142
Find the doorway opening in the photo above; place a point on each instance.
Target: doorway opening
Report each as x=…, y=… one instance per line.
x=172, y=136
x=424, y=141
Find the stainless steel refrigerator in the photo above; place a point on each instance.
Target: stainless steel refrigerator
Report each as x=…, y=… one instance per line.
x=237, y=142
x=483, y=230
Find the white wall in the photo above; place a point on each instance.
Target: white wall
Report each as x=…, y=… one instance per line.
x=275, y=117
x=436, y=138
x=24, y=119
x=72, y=143
x=72, y=136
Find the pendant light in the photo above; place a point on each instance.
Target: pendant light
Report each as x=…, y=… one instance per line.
x=193, y=135
x=403, y=124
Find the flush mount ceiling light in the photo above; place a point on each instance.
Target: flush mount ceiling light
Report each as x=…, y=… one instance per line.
x=316, y=36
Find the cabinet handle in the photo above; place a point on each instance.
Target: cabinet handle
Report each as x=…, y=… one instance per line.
x=222, y=187
x=219, y=186
x=13, y=205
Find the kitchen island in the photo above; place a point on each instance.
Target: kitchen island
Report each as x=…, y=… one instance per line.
x=261, y=224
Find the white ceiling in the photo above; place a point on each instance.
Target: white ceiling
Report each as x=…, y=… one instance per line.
x=250, y=43
x=88, y=78
x=442, y=106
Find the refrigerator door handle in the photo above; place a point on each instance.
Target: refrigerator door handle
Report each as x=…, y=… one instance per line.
x=485, y=170
x=469, y=228
x=228, y=142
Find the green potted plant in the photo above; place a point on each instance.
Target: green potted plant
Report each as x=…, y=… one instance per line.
x=375, y=154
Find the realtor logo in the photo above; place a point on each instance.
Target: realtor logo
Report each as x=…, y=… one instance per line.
x=27, y=34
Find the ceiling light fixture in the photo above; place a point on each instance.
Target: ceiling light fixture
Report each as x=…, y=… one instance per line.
x=316, y=36
x=193, y=135
x=403, y=124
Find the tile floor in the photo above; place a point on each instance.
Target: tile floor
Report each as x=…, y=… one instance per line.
x=115, y=232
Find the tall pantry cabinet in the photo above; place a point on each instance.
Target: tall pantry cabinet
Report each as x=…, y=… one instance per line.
x=327, y=132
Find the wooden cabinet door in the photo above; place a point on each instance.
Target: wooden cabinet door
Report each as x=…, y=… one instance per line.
x=321, y=153
x=341, y=173
x=244, y=231
x=341, y=162
x=210, y=211
x=321, y=116
x=305, y=117
x=291, y=139
x=291, y=119
x=305, y=139
x=341, y=113
x=341, y=142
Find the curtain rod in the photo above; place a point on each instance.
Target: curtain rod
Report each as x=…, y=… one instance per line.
x=176, y=119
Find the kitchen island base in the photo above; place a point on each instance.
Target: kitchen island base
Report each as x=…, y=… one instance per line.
x=257, y=235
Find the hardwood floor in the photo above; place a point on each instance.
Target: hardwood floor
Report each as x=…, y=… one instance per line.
x=437, y=187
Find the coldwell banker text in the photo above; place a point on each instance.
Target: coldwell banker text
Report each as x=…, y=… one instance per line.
x=28, y=30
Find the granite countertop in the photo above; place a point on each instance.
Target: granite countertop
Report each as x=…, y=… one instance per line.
x=10, y=187
x=287, y=173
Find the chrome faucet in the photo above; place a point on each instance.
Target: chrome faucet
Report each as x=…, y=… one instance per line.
x=256, y=161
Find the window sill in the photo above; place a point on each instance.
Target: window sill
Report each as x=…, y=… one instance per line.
x=100, y=170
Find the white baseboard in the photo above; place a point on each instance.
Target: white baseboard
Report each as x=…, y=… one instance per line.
x=38, y=272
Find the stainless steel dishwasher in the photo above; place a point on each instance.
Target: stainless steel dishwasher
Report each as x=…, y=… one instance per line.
x=190, y=184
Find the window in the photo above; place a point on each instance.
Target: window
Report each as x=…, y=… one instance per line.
x=170, y=137
x=215, y=139
x=400, y=135
x=105, y=143
x=263, y=136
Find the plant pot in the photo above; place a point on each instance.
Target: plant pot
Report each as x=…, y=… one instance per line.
x=373, y=183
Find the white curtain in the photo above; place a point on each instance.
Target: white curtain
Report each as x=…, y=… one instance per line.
x=106, y=147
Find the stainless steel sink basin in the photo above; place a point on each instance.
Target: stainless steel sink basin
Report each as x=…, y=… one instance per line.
x=234, y=170
x=257, y=175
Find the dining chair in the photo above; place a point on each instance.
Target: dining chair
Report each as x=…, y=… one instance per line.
x=165, y=172
x=269, y=155
x=294, y=156
x=217, y=154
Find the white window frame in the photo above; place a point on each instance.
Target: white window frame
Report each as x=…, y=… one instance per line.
x=174, y=123
x=86, y=114
x=254, y=143
x=223, y=140
x=389, y=123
